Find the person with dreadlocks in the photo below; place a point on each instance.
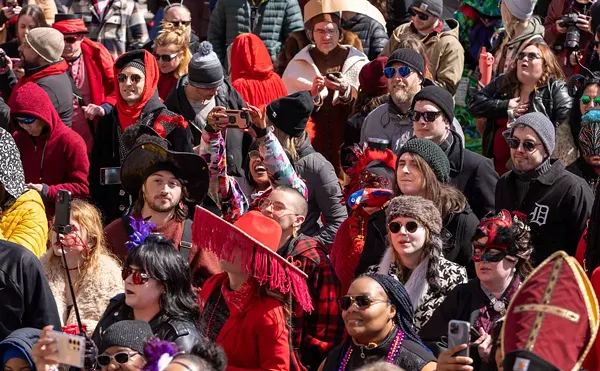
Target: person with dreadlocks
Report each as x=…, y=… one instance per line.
x=501, y=250
x=378, y=315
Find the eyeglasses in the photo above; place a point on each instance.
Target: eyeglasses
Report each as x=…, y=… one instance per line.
x=326, y=32
x=135, y=78
x=422, y=16
x=138, y=277
x=528, y=145
x=277, y=207
x=530, y=56
x=180, y=23
x=411, y=227
x=427, y=116
x=403, y=72
x=362, y=301
x=166, y=57
x=71, y=39
x=479, y=255
x=24, y=120
x=254, y=154
x=121, y=358
x=586, y=99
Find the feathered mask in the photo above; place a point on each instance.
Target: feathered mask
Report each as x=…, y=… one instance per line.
x=141, y=229
x=506, y=232
x=366, y=158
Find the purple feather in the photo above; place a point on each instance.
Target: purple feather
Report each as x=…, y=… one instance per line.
x=154, y=350
x=141, y=230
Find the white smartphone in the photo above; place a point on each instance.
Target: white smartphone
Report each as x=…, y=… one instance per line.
x=71, y=348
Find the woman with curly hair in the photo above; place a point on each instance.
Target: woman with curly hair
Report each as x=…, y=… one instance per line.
x=172, y=53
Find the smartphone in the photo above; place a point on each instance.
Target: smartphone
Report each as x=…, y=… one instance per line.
x=2, y=59
x=237, y=119
x=331, y=75
x=71, y=348
x=62, y=216
x=378, y=144
x=110, y=175
x=459, y=333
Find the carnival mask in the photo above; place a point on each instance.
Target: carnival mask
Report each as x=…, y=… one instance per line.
x=502, y=233
x=589, y=139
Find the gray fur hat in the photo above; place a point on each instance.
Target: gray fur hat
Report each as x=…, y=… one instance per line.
x=418, y=208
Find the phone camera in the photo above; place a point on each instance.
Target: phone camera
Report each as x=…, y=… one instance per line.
x=232, y=119
x=454, y=328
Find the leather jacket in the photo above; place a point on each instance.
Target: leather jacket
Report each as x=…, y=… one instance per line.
x=491, y=102
x=183, y=333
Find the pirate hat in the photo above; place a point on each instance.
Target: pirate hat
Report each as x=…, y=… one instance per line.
x=552, y=320
x=253, y=239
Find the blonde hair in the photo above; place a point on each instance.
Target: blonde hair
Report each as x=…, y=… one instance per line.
x=510, y=21
x=289, y=144
x=171, y=35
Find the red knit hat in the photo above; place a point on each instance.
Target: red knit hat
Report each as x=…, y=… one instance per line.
x=253, y=240
x=371, y=78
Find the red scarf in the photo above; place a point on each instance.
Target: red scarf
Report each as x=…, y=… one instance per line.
x=53, y=69
x=128, y=115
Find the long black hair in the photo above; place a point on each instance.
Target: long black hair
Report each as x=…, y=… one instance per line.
x=575, y=120
x=161, y=261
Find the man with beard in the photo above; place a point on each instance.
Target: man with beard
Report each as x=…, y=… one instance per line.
x=391, y=121
x=41, y=57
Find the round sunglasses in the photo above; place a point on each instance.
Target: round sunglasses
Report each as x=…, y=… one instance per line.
x=403, y=72
x=166, y=57
x=134, y=77
x=362, y=301
x=586, y=99
x=427, y=116
x=528, y=145
x=137, y=276
x=411, y=227
x=121, y=358
x=24, y=120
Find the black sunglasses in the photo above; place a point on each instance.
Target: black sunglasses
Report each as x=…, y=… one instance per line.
x=422, y=16
x=135, y=78
x=362, y=301
x=166, y=57
x=71, y=39
x=528, y=145
x=530, y=56
x=180, y=23
x=120, y=358
x=411, y=227
x=427, y=116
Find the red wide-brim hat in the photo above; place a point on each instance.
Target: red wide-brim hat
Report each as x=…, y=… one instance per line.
x=253, y=240
x=553, y=315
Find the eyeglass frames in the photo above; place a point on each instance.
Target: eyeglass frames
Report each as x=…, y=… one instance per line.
x=427, y=116
x=362, y=301
x=121, y=358
x=403, y=72
x=586, y=99
x=422, y=16
x=134, y=77
x=277, y=207
x=411, y=227
x=138, y=277
x=166, y=57
x=24, y=120
x=528, y=145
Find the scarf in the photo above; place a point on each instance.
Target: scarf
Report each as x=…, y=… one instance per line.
x=487, y=314
x=417, y=284
x=44, y=71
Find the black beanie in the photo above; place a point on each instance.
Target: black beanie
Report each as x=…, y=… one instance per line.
x=431, y=153
x=408, y=57
x=290, y=114
x=129, y=333
x=440, y=97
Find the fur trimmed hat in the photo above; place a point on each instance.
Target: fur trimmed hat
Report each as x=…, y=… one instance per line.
x=418, y=208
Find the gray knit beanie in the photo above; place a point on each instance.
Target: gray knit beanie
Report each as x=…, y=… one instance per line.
x=129, y=333
x=542, y=126
x=417, y=208
x=431, y=153
x=204, y=69
x=521, y=9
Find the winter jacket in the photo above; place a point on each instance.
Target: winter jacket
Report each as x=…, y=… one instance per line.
x=237, y=142
x=58, y=157
x=272, y=21
x=491, y=102
x=184, y=334
x=557, y=204
x=582, y=169
x=371, y=33
x=324, y=195
x=473, y=175
x=22, y=339
x=100, y=283
x=444, y=51
x=26, y=297
x=25, y=223
x=255, y=334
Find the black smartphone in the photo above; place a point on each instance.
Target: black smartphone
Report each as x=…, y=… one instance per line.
x=237, y=119
x=2, y=59
x=62, y=216
x=331, y=75
x=110, y=175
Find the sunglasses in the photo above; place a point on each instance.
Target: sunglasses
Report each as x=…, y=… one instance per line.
x=529, y=145
x=138, y=277
x=530, y=56
x=180, y=23
x=586, y=99
x=121, y=358
x=422, y=16
x=362, y=302
x=277, y=207
x=427, y=116
x=24, y=120
x=166, y=57
x=480, y=256
x=403, y=72
x=411, y=227
x=135, y=78
x=71, y=39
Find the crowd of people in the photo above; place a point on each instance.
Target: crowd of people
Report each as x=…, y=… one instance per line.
x=300, y=185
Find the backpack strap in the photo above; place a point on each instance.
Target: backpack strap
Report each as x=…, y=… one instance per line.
x=127, y=225
x=185, y=246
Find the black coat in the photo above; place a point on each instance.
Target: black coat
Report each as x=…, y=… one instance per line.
x=557, y=204
x=112, y=200
x=184, y=334
x=237, y=142
x=25, y=296
x=473, y=175
x=371, y=34
x=491, y=102
x=585, y=171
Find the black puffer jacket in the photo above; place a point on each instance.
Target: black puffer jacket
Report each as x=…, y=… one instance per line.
x=491, y=102
x=371, y=34
x=183, y=333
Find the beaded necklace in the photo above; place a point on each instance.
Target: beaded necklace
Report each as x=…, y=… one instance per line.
x=389, y=358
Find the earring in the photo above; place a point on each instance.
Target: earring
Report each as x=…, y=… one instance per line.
x=294, y=232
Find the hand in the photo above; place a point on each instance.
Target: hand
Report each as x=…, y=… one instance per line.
x=45, y=351
x=583, y=23
x=447, y=360
x=559, y=27
x=480, y=125
x=521, y=109
x=336, y=83
x=91, y=111
x=317, y=85
x=484, y=344
x=37, y=187
x=10, y=12
x=217, y=118
x=91, y=352
x=514, y=103
x=256, y=116
x=8, y=61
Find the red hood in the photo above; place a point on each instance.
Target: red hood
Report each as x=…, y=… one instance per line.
x=31, y=100
x=252, y=58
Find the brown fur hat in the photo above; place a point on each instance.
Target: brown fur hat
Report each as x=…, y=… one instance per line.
x=418, y=208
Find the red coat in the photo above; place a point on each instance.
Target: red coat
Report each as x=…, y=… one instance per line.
x=57, y=158
x=255, y=337
x=100, y=72
x=592, y=361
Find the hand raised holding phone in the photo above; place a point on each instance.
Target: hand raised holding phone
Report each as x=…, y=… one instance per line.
x=217, y=119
